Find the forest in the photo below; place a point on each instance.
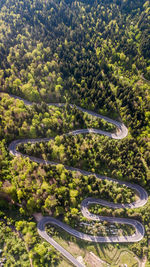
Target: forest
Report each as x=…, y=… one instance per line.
x=93, y=54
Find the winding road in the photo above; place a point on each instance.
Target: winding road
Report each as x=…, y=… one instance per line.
x=120, y=133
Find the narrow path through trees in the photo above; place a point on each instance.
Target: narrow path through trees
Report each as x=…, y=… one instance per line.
x=121, y=132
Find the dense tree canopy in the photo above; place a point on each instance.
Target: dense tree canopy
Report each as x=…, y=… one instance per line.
x=95, y=54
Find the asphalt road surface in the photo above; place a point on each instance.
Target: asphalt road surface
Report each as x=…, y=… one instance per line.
x=121, y=132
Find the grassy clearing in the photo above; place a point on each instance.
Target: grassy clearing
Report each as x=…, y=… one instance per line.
x=108, y=254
